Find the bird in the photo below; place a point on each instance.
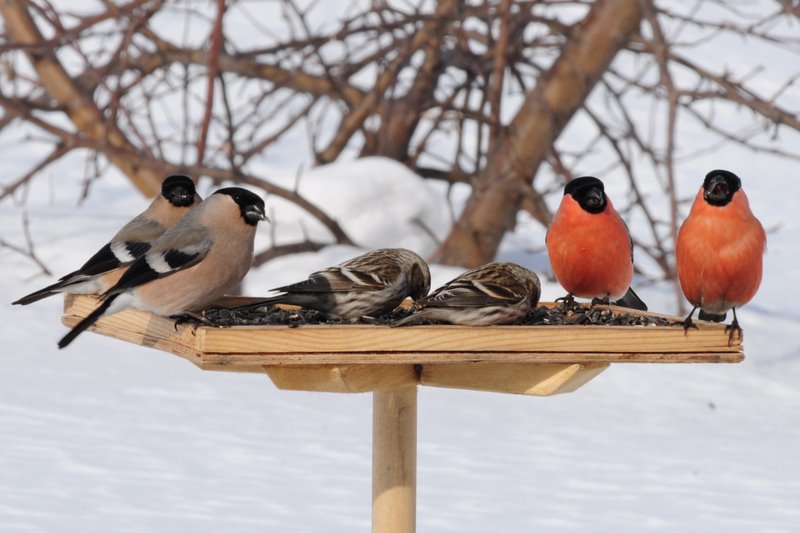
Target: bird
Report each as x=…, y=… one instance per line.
x=590, y=248
x=492, y=294
x=719, y=251
x=369, y=285
x=102, y=270
x=197, y=260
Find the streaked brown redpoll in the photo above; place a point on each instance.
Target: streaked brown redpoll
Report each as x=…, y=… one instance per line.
x=497, y=293
x=371, y=285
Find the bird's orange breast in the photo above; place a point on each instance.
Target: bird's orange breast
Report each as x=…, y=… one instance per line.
x=719, y=254
x=590, y=254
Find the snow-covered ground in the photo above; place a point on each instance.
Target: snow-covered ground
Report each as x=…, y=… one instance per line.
x=107, y=436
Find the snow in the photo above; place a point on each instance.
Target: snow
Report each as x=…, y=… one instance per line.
x=355, y=195
x=108, y=436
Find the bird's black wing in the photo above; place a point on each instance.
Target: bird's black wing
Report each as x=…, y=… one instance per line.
x=109, y=257
x=182, y=251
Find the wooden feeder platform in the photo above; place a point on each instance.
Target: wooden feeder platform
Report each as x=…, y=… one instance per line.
x=392, y=362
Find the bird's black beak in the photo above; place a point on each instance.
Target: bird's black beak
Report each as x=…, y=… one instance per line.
x=717, y=189
x=594, y=198
x=253, y=214
x=181, y=197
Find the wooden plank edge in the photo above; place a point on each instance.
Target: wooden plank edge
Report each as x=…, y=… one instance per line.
x=212, y=361
x=367, y=338
x=110, y=328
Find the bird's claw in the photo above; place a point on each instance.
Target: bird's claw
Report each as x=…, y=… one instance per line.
x=732, y=329
x=688, y=323
x=569, y=299
x=568, y=302
x=195, y=319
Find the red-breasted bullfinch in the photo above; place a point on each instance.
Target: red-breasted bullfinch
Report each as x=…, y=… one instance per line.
x=719, y=250
x=496, y=293
x=369, y=285
x=102, y=270
x=590, y=249
x=199, y=259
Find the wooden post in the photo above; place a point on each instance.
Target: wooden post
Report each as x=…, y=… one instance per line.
x=394, y=460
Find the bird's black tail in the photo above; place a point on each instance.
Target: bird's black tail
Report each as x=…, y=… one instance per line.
x=36, y=296
x=712, y=317
x=58, y=287
x=280, y=299
x=86, y=322
x=631, y=300
x=41, y=293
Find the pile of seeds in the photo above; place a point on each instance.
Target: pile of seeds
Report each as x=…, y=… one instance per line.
x=563, y=314
x=275, y=316
x=583, y=315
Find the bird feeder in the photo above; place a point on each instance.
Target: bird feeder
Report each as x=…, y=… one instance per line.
x=392, y=362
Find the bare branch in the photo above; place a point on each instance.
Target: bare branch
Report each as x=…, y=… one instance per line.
x=213, y=59
x=539, y=121
x=62, y=88
x=281, y=250
x=60, y=151
x=29, y=251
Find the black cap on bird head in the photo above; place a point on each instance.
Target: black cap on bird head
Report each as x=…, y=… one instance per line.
x=250, y=204
x=589, y=192
x=178, y=190
x=720, y=186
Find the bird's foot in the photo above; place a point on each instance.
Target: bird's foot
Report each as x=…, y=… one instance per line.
x=600, y=301
x=568, y=302
x=733, y=328
x=688, y=323
x=569, y=299
x=190, y=317
x=569, y=305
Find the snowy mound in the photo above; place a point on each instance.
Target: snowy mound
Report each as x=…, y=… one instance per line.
x=377, y=201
